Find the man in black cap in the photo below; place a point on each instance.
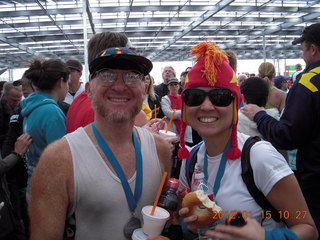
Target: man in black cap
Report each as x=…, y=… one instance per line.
x=299, y=125
x=106, y=172
x=75, y=85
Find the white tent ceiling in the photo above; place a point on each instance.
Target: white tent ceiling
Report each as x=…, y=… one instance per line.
x=162, y=30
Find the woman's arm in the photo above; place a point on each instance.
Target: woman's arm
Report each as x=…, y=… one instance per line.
x=21, y=146
x=286, y=197
x=166, y=106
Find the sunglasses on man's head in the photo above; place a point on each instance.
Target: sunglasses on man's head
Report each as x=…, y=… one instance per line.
x=220, y=97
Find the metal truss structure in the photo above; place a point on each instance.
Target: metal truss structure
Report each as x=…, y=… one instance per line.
x=162, y=30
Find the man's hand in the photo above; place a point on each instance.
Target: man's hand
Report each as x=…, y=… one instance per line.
x=250, y=110
x=190, y=221
x=156, y=124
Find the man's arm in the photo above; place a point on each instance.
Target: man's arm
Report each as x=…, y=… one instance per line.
x=51, y=192
x=296, y=124
x=164, y=153
x=15, y=130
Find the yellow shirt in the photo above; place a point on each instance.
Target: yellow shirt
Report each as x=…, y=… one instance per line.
x=147, y=110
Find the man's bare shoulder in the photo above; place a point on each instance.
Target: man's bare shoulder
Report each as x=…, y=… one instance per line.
x=53, y=171
x=56, y=155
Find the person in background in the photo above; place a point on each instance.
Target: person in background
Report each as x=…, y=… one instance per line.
x=299, y=70
x=169, y=104
x=17, y=176
x=10, y=224
x=282, y=83
x=254, y=90
x=26, y=87
x=1, y=87
x=183, y=76
x=152, y=99
x=10, y=100
x=241, y=78
x=188, y=69
x=43, y=119
x=162, y=90
x=233, y=60
x=86, y=158
x=277, y=98
x=211, y=101
x=75, y=85
x=147, y=113
x=299, y=125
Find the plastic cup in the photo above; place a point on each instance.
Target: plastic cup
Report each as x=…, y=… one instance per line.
x=168, y=134
x=139, y=235
x=153, y=225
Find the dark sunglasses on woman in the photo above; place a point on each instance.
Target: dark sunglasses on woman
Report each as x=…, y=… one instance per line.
x=220, y=97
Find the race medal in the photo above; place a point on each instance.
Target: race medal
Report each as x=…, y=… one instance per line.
x=130, y=226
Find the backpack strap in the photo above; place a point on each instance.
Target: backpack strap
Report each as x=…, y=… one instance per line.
x=247, y=176
x=191, y=162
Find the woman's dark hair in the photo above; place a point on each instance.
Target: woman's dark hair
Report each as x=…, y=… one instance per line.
x=255, y=90
x=44, y=74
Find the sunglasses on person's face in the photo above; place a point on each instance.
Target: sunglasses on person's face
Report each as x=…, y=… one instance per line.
x=220, y=97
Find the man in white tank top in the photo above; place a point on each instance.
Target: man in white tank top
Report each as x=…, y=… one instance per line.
x=77, y=176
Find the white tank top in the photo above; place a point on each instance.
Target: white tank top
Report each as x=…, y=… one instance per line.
x=100, y=205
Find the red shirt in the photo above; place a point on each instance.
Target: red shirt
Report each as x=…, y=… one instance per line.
x=80, y=113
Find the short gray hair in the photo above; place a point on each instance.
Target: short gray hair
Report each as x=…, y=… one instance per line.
x=174, y=71
x=7, y=88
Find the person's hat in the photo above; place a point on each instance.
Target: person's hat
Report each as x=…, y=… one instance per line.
x=120, y=58
x=310, y=34
x=17, y=83
x=212, y=69
x=280, y=79
x=173, y=80
x=74, y=64
x=184, y=73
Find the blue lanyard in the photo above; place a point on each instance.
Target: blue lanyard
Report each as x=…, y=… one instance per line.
x=131, y=199
x=222, y=167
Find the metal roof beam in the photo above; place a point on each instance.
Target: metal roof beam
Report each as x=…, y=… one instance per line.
x=206, y=15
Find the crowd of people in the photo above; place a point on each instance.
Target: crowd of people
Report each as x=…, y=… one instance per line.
x=80, y=160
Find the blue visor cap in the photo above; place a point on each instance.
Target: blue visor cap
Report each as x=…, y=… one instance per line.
x=120, y=58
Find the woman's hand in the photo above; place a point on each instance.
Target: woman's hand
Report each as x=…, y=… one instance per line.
x=251, y=231
x=22, y=144
x=183, y=212
x=250, y=110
